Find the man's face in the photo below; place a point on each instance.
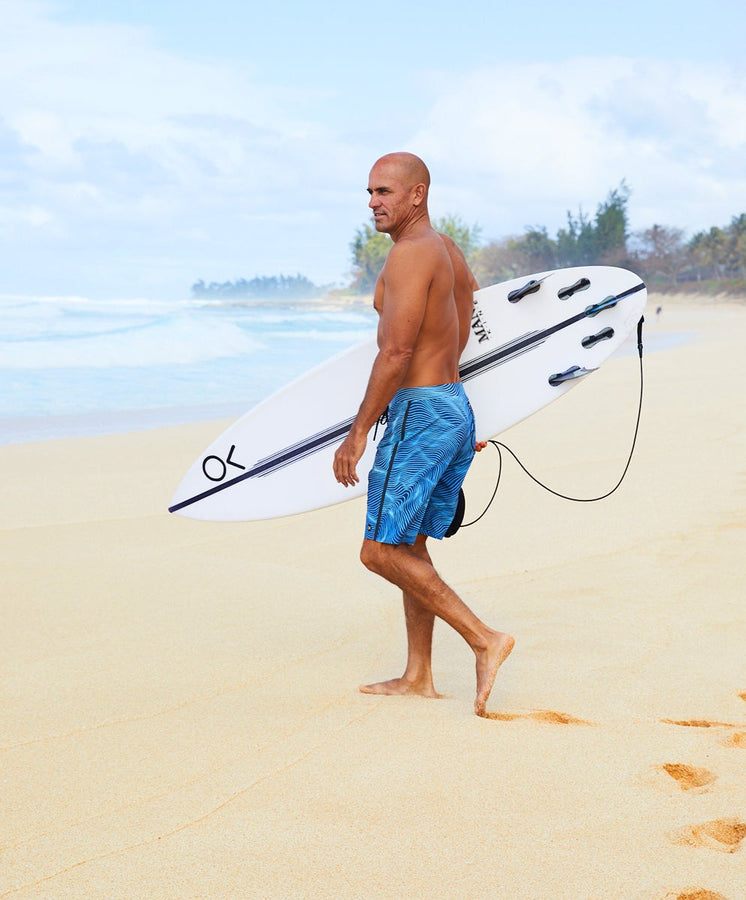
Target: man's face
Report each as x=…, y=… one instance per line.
x=390, y=199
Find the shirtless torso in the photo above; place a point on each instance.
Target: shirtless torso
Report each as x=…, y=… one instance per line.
x=446, y=318
x=424, y=298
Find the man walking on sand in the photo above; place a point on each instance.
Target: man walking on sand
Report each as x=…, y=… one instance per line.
x=424, y=298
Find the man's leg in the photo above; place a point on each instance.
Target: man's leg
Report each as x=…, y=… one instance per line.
x=418, y=675
x=407, y=568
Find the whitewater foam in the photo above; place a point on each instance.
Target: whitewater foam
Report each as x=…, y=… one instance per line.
x=71, y=365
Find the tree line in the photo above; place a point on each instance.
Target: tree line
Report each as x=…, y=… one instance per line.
x=713, y=260
x=273, y=287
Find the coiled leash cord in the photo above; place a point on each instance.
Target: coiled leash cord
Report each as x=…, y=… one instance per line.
x=499, y=446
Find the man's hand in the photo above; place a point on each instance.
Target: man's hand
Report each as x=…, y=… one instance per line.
x=347, y=457
x=480, y=445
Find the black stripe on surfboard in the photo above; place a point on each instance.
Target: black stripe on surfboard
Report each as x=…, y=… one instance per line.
x=277, y=461
x=484, y=363
x=302, y=449
x=500, y=355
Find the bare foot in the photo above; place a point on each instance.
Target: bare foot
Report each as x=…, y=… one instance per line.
x=400, y=686
x=488, y=662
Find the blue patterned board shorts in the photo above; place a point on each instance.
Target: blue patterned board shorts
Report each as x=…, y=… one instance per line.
x=420, y=464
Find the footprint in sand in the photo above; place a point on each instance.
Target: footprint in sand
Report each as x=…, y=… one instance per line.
x=738, y=739
x=704, y=723
x=695, y=894
x=720, y=834
x=689, y=777
x=698, y=723
x=547, y=716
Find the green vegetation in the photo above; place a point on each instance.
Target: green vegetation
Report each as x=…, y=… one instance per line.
x=711, y=262
x=600, y=241
x=369, y=251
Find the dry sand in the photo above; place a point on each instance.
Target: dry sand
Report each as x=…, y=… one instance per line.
x=179, y=706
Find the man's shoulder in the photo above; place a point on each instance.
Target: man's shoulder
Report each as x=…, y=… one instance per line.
x=454, y=251
x=423, y=245
x=458, y=259
x=415, y=259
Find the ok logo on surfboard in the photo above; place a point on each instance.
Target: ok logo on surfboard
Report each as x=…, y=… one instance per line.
x=217, y=468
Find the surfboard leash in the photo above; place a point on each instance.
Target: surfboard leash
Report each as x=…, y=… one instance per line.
x=499, y=446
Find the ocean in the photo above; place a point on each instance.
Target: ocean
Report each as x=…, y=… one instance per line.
x=72, y=366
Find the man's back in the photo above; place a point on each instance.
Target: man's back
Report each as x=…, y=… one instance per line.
x=464, y=285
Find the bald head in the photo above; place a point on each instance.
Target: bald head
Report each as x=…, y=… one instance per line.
x=398, y=184
x=409, y=169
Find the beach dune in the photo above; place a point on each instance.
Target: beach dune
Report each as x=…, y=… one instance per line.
x=179, y=710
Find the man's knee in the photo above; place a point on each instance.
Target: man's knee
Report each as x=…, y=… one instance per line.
x=378, y=557
x=370, y=556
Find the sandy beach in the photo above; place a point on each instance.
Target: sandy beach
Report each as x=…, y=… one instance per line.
x=179, y=712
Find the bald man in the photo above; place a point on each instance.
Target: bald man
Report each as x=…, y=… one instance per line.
x=424, y=298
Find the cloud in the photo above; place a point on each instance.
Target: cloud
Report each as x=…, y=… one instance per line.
x=111, y=143
x=124, y=167
x=533, y=140
x=70, y=89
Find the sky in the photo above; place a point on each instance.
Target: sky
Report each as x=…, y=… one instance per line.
x=146, y=144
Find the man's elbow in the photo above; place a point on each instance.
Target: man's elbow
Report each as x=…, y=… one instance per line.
x=397, y=356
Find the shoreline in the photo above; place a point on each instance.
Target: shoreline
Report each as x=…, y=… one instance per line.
x=20, y=429
x=34, y=429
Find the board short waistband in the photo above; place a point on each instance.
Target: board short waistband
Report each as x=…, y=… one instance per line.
x=424, y=392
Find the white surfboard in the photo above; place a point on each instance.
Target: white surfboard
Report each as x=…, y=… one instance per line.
x=532, y=339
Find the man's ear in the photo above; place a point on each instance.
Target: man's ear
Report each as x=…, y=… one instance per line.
x=419, y=194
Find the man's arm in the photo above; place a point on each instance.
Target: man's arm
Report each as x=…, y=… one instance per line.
x=406, y=278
